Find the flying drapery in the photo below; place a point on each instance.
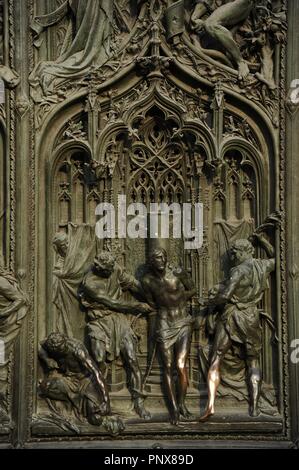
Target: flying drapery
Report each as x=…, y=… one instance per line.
x=70, y=271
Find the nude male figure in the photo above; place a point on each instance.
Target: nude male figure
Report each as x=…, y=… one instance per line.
x=168, y=291
x=218, y=26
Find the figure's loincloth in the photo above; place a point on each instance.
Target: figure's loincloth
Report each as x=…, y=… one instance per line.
x=169, y=335
x=114, y=330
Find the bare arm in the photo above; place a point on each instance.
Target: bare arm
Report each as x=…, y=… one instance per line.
x=227, y=290
x=84, y=358
x=266, y=245
x=187, y=281
x=46, y=359
x=129, y=282
x=190, y=293
x=113, y=304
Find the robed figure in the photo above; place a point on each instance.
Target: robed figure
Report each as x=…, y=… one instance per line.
x=86, y=42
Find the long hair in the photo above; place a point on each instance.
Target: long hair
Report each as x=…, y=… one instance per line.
x=155, y=252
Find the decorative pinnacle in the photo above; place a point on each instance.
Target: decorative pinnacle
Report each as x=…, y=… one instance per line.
x=219, y=95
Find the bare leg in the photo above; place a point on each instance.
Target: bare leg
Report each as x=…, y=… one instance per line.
x=131, y=362
x=167, y=361
x=225, y=37
x=254, y=385
x=266, y=75
x=98, y=352
x=213, y=384
x=232, y=13
x=225, y=17
x=182, y=349
x=222, y=344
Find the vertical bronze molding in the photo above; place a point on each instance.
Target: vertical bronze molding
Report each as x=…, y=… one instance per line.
x=294, y=376
x=282, y=239
x=292, y=145
x=12, y=137
x=23, y=215
x=32, y=239
x=11, y=148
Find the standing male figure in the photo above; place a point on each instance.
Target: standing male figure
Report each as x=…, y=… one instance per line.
x=108, y=328
x=239, y=324
x=168, y=292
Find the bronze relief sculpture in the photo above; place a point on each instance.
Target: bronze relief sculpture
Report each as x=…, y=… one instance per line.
x=166, y=104
x=239, y=324
x=73, y=378
x=218, y=26
x=79, y=52
x=168, y=293
x=108, y=329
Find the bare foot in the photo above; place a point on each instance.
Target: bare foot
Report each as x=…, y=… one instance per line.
x=175, y=418
x=243, y=70
x=209, y=412
x=254, y=411
x=141, y=411
x=113, y=424
x=185, y=413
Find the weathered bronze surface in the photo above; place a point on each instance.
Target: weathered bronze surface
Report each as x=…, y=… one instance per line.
x=73, y=380
x=136, y=339
x=108, y=329
x=168, y=291
x=239, y=325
